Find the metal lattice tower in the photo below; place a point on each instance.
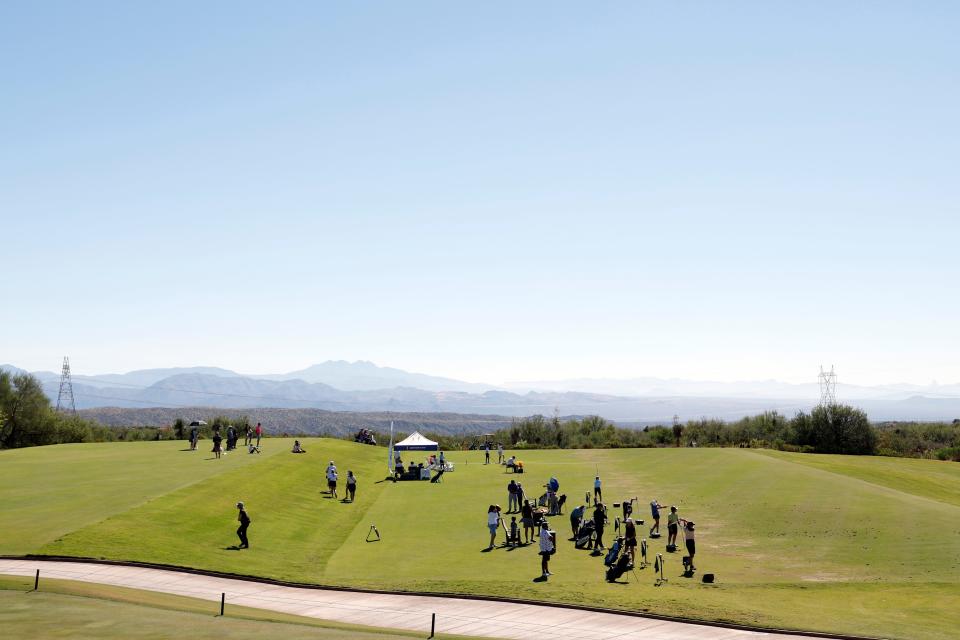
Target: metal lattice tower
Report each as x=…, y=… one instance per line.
x=65, y=397
x=828, y=387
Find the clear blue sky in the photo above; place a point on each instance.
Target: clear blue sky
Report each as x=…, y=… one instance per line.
x=491, y=191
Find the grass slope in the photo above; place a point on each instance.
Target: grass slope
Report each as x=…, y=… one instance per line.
x=48, y=491
x=797, y=541
x=68, y=609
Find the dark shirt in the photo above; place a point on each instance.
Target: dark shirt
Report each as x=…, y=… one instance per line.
x=512, y=487
x=526, y=511
x=244, y=518
x=630, y=530
x=598, y=518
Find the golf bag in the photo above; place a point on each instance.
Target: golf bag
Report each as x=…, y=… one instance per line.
x=619, y=568
x=560, y=502
x=614, y=552
x=437, y=477
x=585, y=534
x=542, y=502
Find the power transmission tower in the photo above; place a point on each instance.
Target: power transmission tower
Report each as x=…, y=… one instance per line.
x=65, y=397
x=828, y=387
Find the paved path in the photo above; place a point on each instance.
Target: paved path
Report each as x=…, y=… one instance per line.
x=454, y=615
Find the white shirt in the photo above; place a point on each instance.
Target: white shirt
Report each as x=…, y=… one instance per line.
x=493, y=517
x=546, y=544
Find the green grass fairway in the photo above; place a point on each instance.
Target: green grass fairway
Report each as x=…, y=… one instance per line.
x=68, y=609
x=855, y=545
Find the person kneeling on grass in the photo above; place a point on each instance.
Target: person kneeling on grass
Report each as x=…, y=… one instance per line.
x=297, y=448
x=547, y=549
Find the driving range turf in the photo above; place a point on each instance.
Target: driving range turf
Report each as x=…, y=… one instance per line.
x=867, y=546
x=70, y=609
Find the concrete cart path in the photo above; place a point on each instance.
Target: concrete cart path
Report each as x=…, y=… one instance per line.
x=407, y=612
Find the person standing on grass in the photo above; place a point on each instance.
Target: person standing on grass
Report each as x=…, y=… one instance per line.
x=332, y=479
x=599, y=520
x=513, y=504
x=443, y=462
x=351, y=485
x=597, y=493
x=259, y=432
x=672, y=519
x=655, y=514
x=493, y=523
x=217, y=449
x=688, y=536
x=630, y=539
x=547, y=549
x=526, y=519
x=486, y=451
x=242, y=529
x=499, y=453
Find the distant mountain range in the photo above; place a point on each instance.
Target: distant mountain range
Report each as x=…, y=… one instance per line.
x=365, y=387
x=311, y=421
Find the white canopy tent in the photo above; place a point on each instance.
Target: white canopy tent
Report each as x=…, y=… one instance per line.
x=416, y=441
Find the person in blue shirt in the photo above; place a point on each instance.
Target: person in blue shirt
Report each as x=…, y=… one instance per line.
x=655, y=514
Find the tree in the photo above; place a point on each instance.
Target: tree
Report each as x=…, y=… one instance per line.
x=677, y=432
x=836, y=429
x=178, y=428
x=28, y=417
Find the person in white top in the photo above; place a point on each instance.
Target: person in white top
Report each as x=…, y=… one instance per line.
x=597, y=494
x=493, y=523
x=546, y=549
x=332, y=479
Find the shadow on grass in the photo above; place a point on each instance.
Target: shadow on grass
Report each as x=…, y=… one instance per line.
x=540, y=579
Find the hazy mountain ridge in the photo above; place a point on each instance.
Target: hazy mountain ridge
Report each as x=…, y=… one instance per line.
x=653, y=400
